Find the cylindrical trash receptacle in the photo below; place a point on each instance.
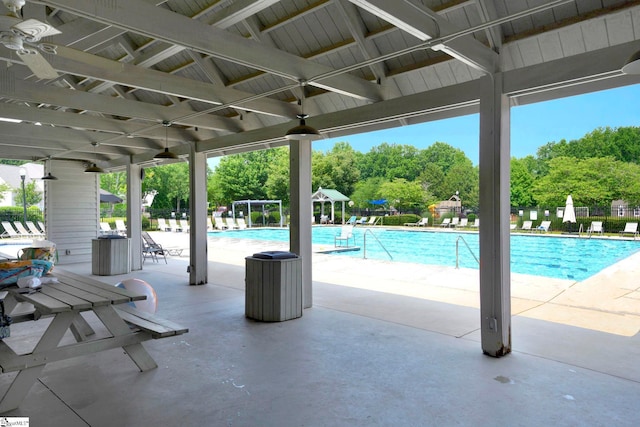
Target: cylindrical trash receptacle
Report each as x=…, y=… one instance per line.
x=273, y=286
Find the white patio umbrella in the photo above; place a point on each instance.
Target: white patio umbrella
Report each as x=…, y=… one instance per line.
x=569, y=213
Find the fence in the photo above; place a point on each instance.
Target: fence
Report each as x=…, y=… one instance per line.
x=613, y=217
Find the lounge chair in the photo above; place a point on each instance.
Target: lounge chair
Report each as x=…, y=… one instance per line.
x=184, y=225
x=362, y=220
x=526, y=225
x=242, y=224
x=630, y=228
x=9, y=231
x=173, y=225
x=21, y=230
x=231, y=223
x=209, y=224
x=422, y=223
x=33, y=229
x=162, y=224
x=152, y=249
x=351, y=220
x=476, y=223
x=121, y=228
x=464, y=222
x=41, y=225
x=324, y=219
x=105, y=228
x=455, y=221
x=445, y=222
x=219, y=223
x=372, y=220
x=596, y=227
x=544, y=226
x=346, y=233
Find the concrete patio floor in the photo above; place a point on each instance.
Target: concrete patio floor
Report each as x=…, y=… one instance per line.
x=383, y=345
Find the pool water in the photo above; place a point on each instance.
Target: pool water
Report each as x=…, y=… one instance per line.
x=557, y=257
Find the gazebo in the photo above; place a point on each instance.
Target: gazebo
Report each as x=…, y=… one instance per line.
x=332, y=196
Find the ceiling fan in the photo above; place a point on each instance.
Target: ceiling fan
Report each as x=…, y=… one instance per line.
x=23, y=35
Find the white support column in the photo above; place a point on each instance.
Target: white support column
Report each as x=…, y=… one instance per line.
x=198, y=260
x=300, y=227
x=495, y=269
x=134, y=214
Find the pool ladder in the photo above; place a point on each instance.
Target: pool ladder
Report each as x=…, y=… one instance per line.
x=468, y=247
x=378, y=240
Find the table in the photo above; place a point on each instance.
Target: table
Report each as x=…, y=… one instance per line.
x=65, y=301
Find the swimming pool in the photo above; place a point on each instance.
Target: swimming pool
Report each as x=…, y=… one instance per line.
x=562, y=258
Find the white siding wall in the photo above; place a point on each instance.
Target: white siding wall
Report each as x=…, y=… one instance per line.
x=72, y=210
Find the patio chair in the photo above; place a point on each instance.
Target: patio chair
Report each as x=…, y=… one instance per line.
x=21, y=230
x=544, y=226
x=9, y=231
x=372, y=220
x=219, y=223
x=162, y=224
x=346, y=233
x=209, y=224
x=173, y=225
x=596, y=227
x=41, y=225
x=362, y=220
x=231, y=223
x=105, y=228
x=455, y=221
x=464, y=222
x=445, y=222
x=421, y=223
x=526, y=225
x=121, y=228
x=630, y=228
x=33, y=229
x=351, y=220
x=184, y=225
x=242, y=224
x=476, y=223
x=152, y=249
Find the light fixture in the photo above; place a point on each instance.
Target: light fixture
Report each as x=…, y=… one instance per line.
x=49, y=177
x=302, y=131
x=166, y=154
x=94, y=168
x=632, y=66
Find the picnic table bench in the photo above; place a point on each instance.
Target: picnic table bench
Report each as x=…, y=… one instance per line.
x=65, y=300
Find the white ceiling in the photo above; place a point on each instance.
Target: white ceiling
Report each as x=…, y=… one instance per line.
x=229, y=74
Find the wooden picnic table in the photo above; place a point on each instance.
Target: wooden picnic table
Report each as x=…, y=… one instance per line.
x=65, y=301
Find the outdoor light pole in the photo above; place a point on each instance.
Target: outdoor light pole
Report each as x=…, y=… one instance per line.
x=23, y=174
x=459, y=201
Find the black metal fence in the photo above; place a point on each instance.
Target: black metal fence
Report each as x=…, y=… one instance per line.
x=613, y=218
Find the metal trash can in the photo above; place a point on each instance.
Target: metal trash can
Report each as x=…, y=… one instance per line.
x=273, y=286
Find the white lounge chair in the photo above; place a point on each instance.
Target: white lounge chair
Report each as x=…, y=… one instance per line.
x=445, y=222
x=544, y=226
x=162, y=224
x=173, y=225
x=455, y=221
x=630, y=228
x=526, y=225
x=596, y=227
x=33, y=229
x=219, y=223
x=242, y=224
x=422, y=223
x=184, y=225
x=9, y=231
x=476, y=223
x=372, y=220
x=464, y=222
x=346, y=233
x=41, y=225
x=362, y=220
x=21, y=230
x=231, y=223
x=105, y=228
x=209, y=224
x=121, y=228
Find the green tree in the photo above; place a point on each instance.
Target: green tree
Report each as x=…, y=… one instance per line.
x=463, y=178
x=31, y=194
x=521, y=183
x=171, y=182
x=390, y=161
x=336, y=169
x=115, y=182
x=3, y=189
x=404, y=195
x=432, y=178
x=444, y=156
x=365, y=191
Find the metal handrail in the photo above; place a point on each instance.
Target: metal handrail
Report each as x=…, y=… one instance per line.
x=368, y=230
x=468, y=247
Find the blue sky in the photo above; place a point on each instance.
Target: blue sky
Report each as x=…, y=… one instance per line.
x=531, y=125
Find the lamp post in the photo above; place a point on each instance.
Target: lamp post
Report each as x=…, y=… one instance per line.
x=459, y=201
x=23, y=174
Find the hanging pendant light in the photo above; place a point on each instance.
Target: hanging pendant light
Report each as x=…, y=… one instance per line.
x=94, y=168
x=632, y=66
x=49, y=177
x=302, y=131
x=166, y=154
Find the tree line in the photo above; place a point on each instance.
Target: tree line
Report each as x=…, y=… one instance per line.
x=602, y=166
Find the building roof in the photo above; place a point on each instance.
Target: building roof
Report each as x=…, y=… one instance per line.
x=231, y=76
x=324, y=195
